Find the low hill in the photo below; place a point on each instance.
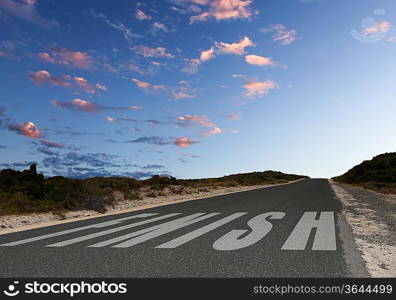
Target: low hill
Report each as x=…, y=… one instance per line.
x=377, y=174
x=27, y=191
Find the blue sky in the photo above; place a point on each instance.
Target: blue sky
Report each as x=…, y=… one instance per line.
x=196, y=88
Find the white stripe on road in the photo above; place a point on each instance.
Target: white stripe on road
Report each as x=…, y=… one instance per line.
x=200, y=231
x=154, y=231
x=98, y=225
x=325, y=237
x=109, y=231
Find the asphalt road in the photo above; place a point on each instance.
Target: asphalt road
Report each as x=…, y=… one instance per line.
x=270, y=232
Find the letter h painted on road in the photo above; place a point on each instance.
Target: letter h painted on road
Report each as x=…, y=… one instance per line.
x=324, y=237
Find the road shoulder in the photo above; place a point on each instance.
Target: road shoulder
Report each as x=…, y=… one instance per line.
x=371, y=219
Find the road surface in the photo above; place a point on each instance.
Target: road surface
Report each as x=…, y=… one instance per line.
x=292, y=230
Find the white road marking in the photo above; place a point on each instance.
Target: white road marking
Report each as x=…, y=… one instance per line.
x=260, y=228
x=109, y=231
x=200, y=231
x=325, y=237
x=98, y=225
x=154, y=231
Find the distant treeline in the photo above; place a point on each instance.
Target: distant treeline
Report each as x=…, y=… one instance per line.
x=378, y=174
x=27, y=191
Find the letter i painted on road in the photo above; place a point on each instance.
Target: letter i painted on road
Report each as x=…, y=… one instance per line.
x=325, y=238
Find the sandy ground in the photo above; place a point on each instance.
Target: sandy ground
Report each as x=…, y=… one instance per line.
x=372, y=217
x=13, y=223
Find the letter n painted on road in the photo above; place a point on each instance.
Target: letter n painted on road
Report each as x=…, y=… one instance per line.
x=149, y=233
x=325, y=232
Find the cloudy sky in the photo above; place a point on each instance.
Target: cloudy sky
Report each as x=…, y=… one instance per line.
x=196, y=88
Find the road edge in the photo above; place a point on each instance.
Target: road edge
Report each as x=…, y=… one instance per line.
x=351, y=253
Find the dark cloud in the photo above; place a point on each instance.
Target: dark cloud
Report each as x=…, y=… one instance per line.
x=98, y=160
x=153, y=140
x=84, y=165
x=156, y=122
x=91, y=172
x=189, y=155
x=81, y=173
x=150, y=122
x=45, y=151
x=17, y=165
x=26, y=10
x=87, y=106
x=69, y=131
x=51, y=144
x=161, y=141
x=182, y=160
x=141, y=174
x=4, y=118
x=153, y=167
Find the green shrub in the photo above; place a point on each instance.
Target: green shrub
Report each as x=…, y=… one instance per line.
x=26, y=191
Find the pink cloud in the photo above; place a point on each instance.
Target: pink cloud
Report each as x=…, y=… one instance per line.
x=237, y=48
x=234, y=48
x=101, y=87
x=257, y=88
x=44, y=77
x=192, y=65
x=28, y=129
x=254, y=87
x=182, y=95
x=46, y=57
x=185, y=91
x=147, y=85
x=283, y=35
x=77, y=104
x=156, y=26
x=383, y=26
x=201, y=120
x=233, y=117
x=111, y=120
x=152, y=52
x=140, y=15
x=184, y=142
x=63, y=56
x=51, y=144
x=259, y=60
x=214, y=131
x=83, y=84
x=135, y=107
x=223, y=9
x=233, y=130
x=207, y=54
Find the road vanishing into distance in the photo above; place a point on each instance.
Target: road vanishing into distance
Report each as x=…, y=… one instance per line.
x=291, y=230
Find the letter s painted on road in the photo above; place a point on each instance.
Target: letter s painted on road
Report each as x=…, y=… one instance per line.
x=260, y=228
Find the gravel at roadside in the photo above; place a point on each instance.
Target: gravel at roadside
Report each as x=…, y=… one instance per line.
x=372, y=217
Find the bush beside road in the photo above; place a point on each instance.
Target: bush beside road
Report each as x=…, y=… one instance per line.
x=27, y=191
